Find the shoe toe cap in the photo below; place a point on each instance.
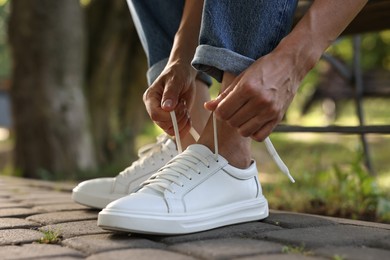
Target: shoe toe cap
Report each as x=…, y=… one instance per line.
x=100, y=185
x=140, y=203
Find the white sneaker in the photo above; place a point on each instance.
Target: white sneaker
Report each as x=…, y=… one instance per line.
x=97, y=193
x=195, y=191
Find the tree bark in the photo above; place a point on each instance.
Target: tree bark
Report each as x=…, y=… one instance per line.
x=115, y=80
x=50, y=116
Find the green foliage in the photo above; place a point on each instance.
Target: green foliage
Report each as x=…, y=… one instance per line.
x=5, y=60
x=374, y=49
x=344, y=191
x=50, y=237
x=296, y=250
x=348, y=191
x=338, y=257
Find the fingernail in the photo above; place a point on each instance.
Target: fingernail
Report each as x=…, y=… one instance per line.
x=167, y=103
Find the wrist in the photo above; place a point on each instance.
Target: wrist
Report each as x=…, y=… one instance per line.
x=301, y=51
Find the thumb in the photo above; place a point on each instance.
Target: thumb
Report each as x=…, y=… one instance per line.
x=170, y=97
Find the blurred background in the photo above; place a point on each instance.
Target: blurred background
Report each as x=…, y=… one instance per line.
x=72, y=75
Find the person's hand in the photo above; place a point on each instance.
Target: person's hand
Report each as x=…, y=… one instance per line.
x=257, y=99
x=173, y=90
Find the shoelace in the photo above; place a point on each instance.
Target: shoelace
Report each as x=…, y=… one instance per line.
x=172, y=171
x=268, y=144
x=146, y=155
x=179, y=166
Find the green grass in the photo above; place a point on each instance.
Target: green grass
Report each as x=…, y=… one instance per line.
x=331, y=178
x=50, y=237
x=296, y=250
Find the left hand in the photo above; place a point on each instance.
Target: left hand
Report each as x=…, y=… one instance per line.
x=257, y=99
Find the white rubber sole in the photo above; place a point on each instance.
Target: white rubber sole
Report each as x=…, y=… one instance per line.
x=93, y=201
x=184, y=223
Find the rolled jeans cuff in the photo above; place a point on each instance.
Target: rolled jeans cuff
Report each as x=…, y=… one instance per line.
x=156, y=69
x=214, y=61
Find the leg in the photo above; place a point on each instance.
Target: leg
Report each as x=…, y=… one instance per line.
x=158, y=21
x=258, y=27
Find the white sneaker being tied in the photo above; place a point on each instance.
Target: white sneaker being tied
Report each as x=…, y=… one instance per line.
x=97, y=193
x=195, y=191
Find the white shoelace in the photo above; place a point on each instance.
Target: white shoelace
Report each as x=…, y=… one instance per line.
x=268, y=144
x=146, y=155
x=176, y=168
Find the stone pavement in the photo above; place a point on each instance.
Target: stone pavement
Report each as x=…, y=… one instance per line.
x=38, y=220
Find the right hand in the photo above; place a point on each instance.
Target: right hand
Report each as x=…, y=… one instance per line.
x=173, y=90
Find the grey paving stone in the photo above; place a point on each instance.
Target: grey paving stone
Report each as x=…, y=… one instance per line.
x=328, y=235
x=107, y=242
x=60, y=207
x=5, y=194
x=291, y=220
x=282, y=257
x=245, y=230
x=72, y=229
x=383, y=243
x=38, y=251
x=358, y=222
x=356, y=253
x=226, y=248
x=139, y=254
x=17, y=212
x=38, y=194
x=8, y=223
x=9, y=205
x=8, y=200
x=48, y=201
x=18, y=236
x=61, y=217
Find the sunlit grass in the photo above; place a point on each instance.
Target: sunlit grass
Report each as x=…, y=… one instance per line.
x=85, y=2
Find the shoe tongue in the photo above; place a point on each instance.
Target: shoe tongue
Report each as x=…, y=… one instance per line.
x=170, y=144
x=201, y=149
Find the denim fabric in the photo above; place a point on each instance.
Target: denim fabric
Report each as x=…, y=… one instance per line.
x=233, y=33
x=236, y=33
x=156, y=22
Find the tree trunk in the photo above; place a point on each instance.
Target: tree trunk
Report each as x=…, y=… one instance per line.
x=115, y=80
x=50, y=122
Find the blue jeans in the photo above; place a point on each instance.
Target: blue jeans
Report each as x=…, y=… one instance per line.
x=233, y=33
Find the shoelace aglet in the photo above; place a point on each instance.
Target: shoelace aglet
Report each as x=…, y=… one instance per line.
x=282, y=166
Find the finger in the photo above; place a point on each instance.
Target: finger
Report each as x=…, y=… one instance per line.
x=244, y=114
x=184, y=126
x=170, y=97
x=231, y=103
x=152, y=101
x=264, y=132
x=213, y=104
x=253, y=125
